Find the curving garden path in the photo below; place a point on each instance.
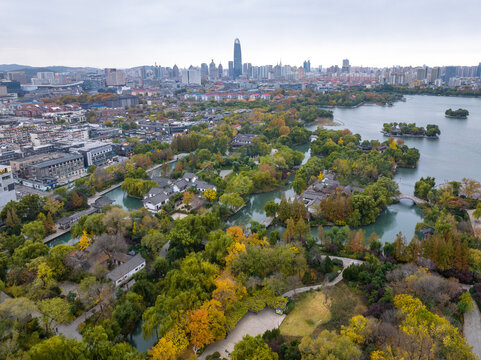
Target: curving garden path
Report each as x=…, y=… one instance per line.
x=472, y=329
x=256, y=324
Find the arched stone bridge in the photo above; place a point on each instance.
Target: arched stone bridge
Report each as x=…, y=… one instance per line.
x=413, y=198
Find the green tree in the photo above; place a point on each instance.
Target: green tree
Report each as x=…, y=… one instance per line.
x=54, y=309
x=28, y=251
x=477, y=211
x=253, y=348
x=154, y=240
x=329, y=346
x=271, y=208
x=232, y=200
x=240, y=184
x=59, y=348
x=34, y=230
x=128, y=312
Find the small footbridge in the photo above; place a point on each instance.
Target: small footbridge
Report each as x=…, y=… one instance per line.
x=413, y=198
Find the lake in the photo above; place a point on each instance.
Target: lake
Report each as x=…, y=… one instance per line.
x=456, y=154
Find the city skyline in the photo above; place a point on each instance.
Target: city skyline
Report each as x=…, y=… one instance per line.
x=423, y=32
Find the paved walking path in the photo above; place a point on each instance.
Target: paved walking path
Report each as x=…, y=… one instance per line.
x=71, y=330
x=267, y=319
x=472, y=329
x=475, y=223
x=251, y=324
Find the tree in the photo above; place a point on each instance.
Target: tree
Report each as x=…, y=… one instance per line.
x=477, y=211
x=49, y=224
x=117, y=221
x=92, y=224
x=228, y=291
x=108, y=244
x=232, y=200
x=290, y=232
x=357, y=241
x=18, y=308
x=428, y=335
x=240, y=184
x=471, y=188
x=54, y=309
x=12, y=220
x=59, y=348
x=92, y=291
x=210, y=194
x=206, y=324
x=76, y=199
x=137, y=187
x=128, y=312
x=187, y=197
x=271, y=208
x=169, y=346
x=28, y=251
x=253, y=348
x=52, y=205
x=357, y=330
x=84, y=241
x=154, y=240
x=44, y=273
x=34, y=230
x=329, y=346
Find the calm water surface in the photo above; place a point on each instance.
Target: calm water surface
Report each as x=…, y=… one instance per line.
x=119, y=197
x=456, y=154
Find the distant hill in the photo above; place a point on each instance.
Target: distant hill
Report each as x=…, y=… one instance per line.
x=31, y=71
x=12, y=67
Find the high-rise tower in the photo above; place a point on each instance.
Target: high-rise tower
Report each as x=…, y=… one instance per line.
x=237, y=59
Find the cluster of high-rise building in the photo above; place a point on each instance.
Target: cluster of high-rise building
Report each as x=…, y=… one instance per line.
x=236, y=73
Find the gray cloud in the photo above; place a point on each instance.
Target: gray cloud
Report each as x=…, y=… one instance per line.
x=125, y=33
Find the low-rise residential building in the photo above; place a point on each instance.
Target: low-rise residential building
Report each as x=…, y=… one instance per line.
x=7, y=186
x=126, y=270
x=160, y=195
x=154, y=203
x=64, y=166
x=96, y=153
x=242, y=140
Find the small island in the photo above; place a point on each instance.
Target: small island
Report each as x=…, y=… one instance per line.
x=410, y=130
x=457, y=114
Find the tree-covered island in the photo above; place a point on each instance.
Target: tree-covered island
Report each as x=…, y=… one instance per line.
x=410, y=130
x=457, y=114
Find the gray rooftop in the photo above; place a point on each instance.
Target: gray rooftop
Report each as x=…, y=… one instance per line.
x=125, y=268
x=61, y=159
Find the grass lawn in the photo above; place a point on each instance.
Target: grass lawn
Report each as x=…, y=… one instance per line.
x=310, y=310
x=312, y=313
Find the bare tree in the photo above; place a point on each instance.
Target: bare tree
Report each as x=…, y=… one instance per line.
x=109, y=244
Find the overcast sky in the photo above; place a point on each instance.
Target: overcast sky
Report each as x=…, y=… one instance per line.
x=127, y=33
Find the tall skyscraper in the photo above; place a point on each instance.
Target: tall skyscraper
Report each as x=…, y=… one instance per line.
x=114, y=77
x=478, y=72
x=175, y=72
x=204, y=71
x=231, y=69
x=307, y=66
x=220, y=71
x=421, y=73
x=237, y=59
x=212, y=71
x=435, y=73
x=345, y=66
x=449, y=72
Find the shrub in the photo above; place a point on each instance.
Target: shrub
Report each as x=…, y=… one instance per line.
x=337, y=262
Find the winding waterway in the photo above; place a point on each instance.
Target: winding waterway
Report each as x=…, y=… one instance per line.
x=119, y=197
x=456, y=154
